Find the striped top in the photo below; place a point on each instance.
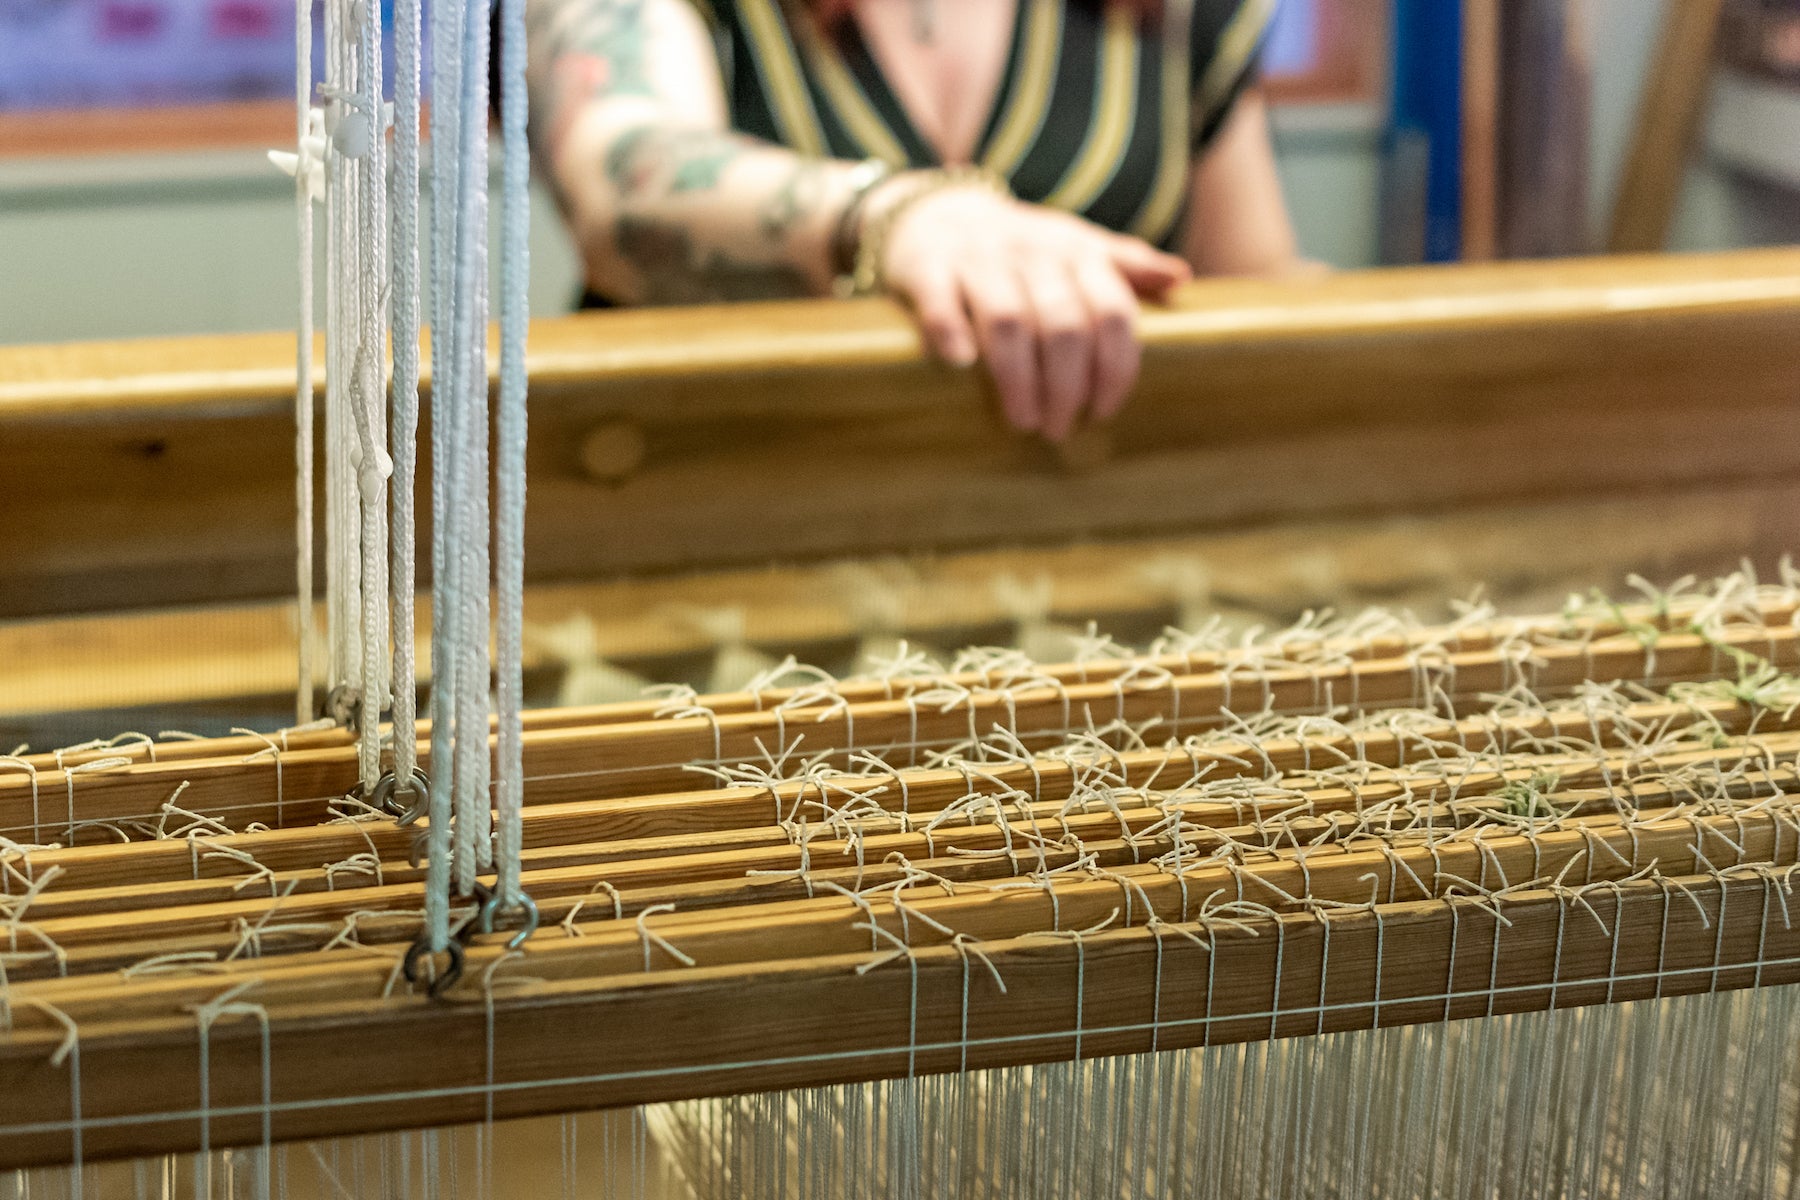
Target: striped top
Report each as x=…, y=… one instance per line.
x=1098, y=112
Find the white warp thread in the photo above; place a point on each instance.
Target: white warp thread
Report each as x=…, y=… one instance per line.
x=303, y=374
x=404, y=408
x=363, y=118
x=471, y=835
x=446, y=26
x=509, y=468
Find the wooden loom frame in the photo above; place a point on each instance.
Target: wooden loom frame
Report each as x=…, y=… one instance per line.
x=614, y=982
x=1409, y=958
x=173, y=458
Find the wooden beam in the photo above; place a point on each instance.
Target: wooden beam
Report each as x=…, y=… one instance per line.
x=216, y=1010
x=231, y=658
x=113, y=928
x=659, y=755
x=740, y=1028
x=1669, y=106
x=715, y=812
x=150, y=473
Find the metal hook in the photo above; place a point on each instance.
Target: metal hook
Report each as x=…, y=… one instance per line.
x=453, y=970
x=491, y=909
x=441, y=982
x=385, y=796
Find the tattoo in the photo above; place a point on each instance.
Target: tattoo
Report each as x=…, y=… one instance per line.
x=682, y=160
x=627, y=165
x=675, y=271
x=701, y=167
x=580, y=49
x=799, y=196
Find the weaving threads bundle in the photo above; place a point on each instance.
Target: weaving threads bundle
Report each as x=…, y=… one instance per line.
x=365, y=566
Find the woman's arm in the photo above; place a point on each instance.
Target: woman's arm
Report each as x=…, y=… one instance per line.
x=669, y=206
x=1237, y=218
x=666, y=204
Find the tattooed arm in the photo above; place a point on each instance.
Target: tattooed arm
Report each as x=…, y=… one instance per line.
x=669, y=206
x=666, y=204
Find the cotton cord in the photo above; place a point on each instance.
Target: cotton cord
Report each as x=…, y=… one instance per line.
x=509, y=468
x=446, y=38
x=363, y=130
x=471, y=797
x=404, y=402
x=308, y=146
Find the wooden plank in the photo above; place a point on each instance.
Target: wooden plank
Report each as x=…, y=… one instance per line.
x=45, y=650
x=1388, y=877
x=1481, y=109
x=732, y=1028
x=633, y=758
x=234, y=656
x=113, y=864
x=1505, y=378
x=716, y=890
x=1669, y=108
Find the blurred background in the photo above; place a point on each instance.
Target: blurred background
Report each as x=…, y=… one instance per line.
x=135, y=196
x=1375, y=445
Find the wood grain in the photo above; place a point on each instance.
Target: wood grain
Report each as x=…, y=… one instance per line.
x=635, y=758
x=152, y=473
x=234, y=657
x=1386, y=966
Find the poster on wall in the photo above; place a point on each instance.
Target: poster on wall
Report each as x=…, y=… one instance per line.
x=61, y=54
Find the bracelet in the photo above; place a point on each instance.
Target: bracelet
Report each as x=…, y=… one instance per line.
x=864, y=178
x=866, y=275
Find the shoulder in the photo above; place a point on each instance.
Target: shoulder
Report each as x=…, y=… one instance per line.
x=1227, y=32
x=1225, y=38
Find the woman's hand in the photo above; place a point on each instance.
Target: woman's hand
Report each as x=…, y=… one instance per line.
x=1048, y=300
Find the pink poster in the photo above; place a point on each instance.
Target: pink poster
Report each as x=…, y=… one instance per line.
x=85, y=53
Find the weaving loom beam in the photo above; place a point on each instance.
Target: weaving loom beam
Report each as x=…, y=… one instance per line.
x=928, y=790
x=767, y=931
x=1315, y=853
x=715, y=928
x=1505, y=377
x=1655, y=939
x=724, y=851
x=228, y=659
x=1460, y=638
x=655, y=755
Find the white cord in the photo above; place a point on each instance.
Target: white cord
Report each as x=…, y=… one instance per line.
x=404, y=262
x=509, y=469
x=445, y=27
x=473, y=845
x=362, y=138
x=308, y=145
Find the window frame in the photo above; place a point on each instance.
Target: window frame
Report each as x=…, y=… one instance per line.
x=1352, y=64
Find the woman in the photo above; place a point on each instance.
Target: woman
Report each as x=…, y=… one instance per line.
x=1021, y=173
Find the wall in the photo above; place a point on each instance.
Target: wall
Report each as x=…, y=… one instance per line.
x=137, y=246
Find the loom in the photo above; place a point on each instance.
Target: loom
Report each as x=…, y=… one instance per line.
x=1424, y=848
x=1366, y=906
